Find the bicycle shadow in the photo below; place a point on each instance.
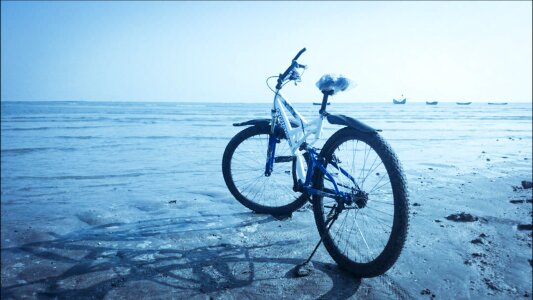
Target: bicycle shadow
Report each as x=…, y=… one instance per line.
x=115, y=258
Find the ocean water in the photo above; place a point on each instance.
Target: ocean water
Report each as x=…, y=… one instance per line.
x=78, y=151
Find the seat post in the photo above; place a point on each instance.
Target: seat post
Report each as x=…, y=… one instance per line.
x=322, y=110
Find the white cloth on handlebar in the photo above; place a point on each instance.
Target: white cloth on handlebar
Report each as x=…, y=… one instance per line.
x=335, y=83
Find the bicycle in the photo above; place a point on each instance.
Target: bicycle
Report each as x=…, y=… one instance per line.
x=356, y=183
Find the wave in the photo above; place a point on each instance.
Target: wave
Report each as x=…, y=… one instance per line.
x=82, y=177
x=55, y=119
x=110, y=176
x=27, y=188
x=151, y=137
x=18, y=151
x=53, y=127
x=46, y=194
x=105, y=185
x=85, y=137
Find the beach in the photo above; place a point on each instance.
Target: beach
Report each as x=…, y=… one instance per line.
x=121, y=200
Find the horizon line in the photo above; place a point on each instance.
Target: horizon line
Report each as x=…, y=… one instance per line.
x=270, y=101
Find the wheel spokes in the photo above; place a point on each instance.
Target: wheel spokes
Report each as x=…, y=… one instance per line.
x=362, y=233
x=248, y=168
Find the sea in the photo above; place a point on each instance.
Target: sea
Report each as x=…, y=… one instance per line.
x=81, y=149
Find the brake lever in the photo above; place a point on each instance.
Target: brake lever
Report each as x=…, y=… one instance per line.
x=295, y=75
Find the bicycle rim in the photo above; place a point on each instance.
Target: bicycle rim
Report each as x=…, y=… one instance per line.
x=248, y=173
x=362, y=230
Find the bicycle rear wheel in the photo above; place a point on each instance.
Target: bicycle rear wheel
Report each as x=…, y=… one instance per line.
x=243, y=167
x=366, y=237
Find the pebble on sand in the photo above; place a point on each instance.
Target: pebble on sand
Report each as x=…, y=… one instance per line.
x=526, y=184
x=427, y=292
x=462, y=217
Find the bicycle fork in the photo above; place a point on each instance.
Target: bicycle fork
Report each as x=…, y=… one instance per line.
x=272, y=141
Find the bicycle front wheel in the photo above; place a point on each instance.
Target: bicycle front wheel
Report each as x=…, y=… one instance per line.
x=243, y=167
x=366, y=235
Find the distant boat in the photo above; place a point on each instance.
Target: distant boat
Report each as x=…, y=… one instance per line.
x=320, y=103
x=463, y=103
x=432, y=102
x=399, y=101
x=497, y=103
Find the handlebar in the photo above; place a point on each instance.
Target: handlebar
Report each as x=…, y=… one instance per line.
x=293, y=66
x=299, y=53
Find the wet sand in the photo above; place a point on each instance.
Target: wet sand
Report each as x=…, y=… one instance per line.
x=203, y=244
x=162, y=235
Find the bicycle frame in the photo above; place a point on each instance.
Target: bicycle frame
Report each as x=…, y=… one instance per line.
x=297, y=137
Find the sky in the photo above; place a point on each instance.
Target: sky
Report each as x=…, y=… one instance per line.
x=224, y=51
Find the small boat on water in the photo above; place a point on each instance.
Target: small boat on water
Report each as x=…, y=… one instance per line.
x=497, y=103
x=399, y=101
x=463, y=103
x=432, y=102
x=319, y=103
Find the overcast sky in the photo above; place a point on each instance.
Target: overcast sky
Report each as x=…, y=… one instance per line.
x=223, y=51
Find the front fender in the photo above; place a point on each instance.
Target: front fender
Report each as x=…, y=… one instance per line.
x=350, y=122
x=256, y=122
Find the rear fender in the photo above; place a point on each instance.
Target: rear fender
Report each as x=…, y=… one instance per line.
x=264, y=122
x=350, y=122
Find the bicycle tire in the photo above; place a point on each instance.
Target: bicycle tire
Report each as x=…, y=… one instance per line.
x=365, y=260
x=271, y=194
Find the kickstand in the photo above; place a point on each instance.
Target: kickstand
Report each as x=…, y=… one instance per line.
x=306, y=267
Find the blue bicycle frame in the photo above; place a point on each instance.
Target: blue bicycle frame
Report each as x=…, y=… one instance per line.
x=316, y=162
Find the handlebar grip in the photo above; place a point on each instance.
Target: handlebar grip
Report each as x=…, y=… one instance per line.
x=299, y=53
x=293, y=65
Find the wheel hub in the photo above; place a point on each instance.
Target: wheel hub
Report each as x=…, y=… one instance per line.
x=360, y=198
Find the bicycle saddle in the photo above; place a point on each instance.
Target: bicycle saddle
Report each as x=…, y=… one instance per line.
x=335, y=83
